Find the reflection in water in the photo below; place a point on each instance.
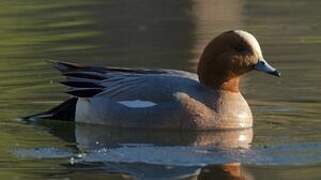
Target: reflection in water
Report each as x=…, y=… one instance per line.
x=160, y=154
x=232, y=171
x=94, y=137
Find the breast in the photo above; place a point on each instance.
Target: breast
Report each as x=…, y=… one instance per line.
x=232, y=111
x=224, y=110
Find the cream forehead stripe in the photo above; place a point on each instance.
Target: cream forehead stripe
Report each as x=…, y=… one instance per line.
x=137, y=103
x=251, y=40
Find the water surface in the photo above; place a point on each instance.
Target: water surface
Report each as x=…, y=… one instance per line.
x=286, y=139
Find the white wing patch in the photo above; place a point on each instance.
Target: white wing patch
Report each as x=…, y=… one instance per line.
x=137, y=103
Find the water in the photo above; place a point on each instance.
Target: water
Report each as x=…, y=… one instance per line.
x=286, y=139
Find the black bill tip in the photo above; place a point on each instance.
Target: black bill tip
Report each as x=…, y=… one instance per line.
x=275, y=73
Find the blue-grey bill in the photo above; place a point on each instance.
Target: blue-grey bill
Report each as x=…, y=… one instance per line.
x=263, y=66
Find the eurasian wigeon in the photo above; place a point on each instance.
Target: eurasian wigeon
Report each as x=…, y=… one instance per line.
x=161, y=98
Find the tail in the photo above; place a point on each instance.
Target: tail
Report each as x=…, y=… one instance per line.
x=64, y=111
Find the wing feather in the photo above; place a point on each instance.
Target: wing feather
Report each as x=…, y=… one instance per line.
x=84, y=92
x=123, y=83
x=81, y=84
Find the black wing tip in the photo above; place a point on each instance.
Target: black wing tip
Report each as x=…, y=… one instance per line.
x=66, y=66
x=84, y=92
x=85, y=75
x=80, y=84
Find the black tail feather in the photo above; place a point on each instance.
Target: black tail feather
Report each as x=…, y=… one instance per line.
x=84, y=92
x=64, y=111
x=80, y=84
x=65, y=67
x=86, y=75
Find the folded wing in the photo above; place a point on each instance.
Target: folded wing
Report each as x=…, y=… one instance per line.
x=124, y=83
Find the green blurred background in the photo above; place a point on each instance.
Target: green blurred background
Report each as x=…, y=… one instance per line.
x=162, y=33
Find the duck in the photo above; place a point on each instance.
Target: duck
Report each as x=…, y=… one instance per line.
x=165, y=98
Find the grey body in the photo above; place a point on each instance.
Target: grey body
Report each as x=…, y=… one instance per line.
x=182, y=102
x=179, y=100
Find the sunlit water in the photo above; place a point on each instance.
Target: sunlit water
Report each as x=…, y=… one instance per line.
x=284, y=144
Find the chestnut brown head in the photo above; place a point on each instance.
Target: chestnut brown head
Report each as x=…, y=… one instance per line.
x=228, y=56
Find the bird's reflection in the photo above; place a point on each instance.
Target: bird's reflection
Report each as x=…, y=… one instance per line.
x=162, y=145
x=233, y=171
x=93, y=137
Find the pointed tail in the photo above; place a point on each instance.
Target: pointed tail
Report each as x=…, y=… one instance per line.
x=64, y=111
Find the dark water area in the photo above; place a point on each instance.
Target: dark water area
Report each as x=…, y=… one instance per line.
x=285, y=142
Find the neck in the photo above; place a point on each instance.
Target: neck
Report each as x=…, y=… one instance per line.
x=231, y=84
